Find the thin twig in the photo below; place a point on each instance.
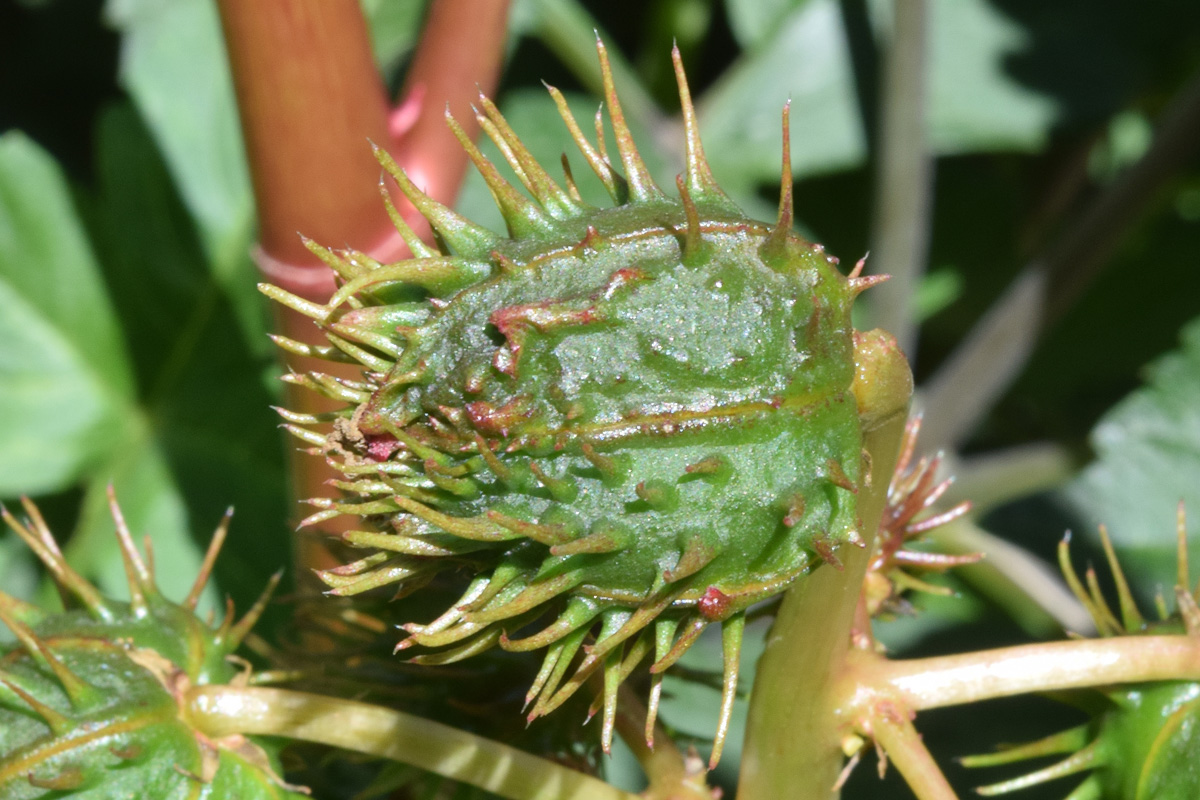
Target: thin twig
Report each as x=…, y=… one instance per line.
x=1047, y=667
x=975, y=375
x=665, y=766
x=894, y=731
x=220, y=711
x=900, y=229
x=1028, y=589
x=998, y=477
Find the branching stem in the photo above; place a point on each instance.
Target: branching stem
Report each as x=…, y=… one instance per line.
x=792, y=746
x=1047, y=667
x=665, y=767
x=905, y=749
x=225, y=710
x=900, y=228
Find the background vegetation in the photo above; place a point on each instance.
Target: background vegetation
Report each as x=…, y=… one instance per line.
x=133, y=346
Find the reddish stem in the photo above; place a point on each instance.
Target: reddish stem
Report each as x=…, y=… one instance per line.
x=310, y=98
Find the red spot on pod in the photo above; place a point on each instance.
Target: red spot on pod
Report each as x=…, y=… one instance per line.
x=381, y=447
x=715, y=605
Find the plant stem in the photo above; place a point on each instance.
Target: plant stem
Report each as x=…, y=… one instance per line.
x=904, y=182
x=1030, y=591
x=219, y=711
x=894, y=732
x=459, y=57
x=979, y=371
x=665, y=767
x=310, y=98
x=1001, y=476
x=1047, y=667
x=792, y=743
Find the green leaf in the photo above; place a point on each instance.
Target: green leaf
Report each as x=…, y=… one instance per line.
x=1148, y=459
x=974, y=101
x=64, y=379
x=173, y=65
x=394, y=28
x=205, y=435
x=807, y=60
x=754, y=21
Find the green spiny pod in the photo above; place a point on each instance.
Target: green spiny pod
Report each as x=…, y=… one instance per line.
x=627, y=423
x=1143, y=740
x=91, y=699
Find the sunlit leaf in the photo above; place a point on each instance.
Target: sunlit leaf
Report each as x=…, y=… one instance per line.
x=754, y=21
x=1148, y=459
x=64, y=380
x=173, y=65
x=807, y=60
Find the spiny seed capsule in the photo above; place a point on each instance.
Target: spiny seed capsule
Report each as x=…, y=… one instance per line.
x=93, y=700
x=629, y=423
x=1141, y=741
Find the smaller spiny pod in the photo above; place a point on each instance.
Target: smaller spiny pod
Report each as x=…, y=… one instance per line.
x=92, y=698
x=1143, y=740
x=894, y=568
x=625, y=424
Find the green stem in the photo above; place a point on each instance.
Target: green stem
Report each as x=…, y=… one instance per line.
x=1001, y=476
x=665, y=767
x=895, y=733
x=1029, y=590
x=219, y=711
x=900, y=232
x=792, y=743
x=1048, y=667
x=981, y=369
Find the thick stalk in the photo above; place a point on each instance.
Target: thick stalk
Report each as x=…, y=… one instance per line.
x=219, y=711
x=310, y=98
x=1048, y=667
x=792, y=747
x=904, y=182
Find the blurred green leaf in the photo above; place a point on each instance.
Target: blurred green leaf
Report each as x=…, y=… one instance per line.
x=938, y=289
x=754, y=21
x=1148, y=459
x=64, y=380
x=173, y=65
x=207, y=437
x=975, y=103
x=808, y=60
x=394, y=28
